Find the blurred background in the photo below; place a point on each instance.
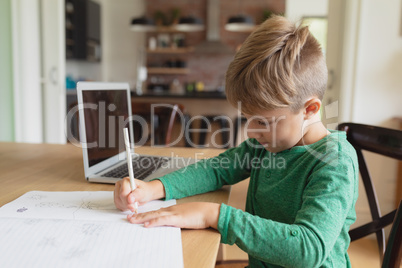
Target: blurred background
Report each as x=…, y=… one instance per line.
x=177, y=52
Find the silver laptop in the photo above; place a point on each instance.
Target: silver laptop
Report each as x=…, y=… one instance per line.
x=104, y=110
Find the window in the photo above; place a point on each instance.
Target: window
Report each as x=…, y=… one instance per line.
x=318, y=27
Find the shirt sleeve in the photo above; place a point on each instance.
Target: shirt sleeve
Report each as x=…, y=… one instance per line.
x=211, y=174
x=327, y=201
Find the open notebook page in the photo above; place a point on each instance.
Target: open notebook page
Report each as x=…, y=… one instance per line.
x=73, y=229
x=72, y=206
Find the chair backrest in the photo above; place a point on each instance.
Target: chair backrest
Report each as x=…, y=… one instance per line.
x=393, y=252
x=175, y=110
x=162, y=119
x=383, y=141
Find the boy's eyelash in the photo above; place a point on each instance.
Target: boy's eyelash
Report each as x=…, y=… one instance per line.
x=264, y=123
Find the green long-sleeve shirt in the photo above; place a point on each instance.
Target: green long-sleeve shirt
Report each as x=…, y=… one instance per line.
x=300, y=202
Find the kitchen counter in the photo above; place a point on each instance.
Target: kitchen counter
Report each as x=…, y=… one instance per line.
x=166, y=94
x=194, y=95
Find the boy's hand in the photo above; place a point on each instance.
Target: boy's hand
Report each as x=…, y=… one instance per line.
x=197, y=215
x=124, y=198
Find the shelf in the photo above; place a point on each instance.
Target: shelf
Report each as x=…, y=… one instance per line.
x=168, y=29
x=248, y=30
x=168, y=50
x=154, y=70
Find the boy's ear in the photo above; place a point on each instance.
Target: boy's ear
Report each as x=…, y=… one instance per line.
x=311, y=108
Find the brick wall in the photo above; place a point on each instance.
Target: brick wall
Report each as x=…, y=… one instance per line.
x=208, y=68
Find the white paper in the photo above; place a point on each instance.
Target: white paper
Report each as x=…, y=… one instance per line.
x=82, y=229
x=72, y=206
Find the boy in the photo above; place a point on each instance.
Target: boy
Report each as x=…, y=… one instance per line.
x=299, y=210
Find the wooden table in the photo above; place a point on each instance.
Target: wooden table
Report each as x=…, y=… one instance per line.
x=49, y=167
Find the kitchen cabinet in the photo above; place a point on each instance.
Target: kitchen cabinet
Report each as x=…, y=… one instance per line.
x=83, y=27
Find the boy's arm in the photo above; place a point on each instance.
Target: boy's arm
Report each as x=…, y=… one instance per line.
x=204, y=176
x=211, y=174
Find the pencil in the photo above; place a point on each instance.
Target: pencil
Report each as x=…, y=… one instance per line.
x=129, y=165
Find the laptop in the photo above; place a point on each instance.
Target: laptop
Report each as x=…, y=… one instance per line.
x=104, y=111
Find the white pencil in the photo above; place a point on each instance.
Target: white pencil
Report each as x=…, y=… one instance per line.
x=130, y=165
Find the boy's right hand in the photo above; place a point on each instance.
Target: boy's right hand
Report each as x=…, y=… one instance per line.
x=124, y=198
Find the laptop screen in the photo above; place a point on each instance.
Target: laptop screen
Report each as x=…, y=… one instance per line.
x=106, y=114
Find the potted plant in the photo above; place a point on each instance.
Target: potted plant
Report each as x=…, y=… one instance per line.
x=160, y=18
x=266, y=14
x=175, y=16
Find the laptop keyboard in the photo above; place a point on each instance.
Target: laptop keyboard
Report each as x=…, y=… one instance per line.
x=143, y=166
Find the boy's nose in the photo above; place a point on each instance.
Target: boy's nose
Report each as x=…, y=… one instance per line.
x=253, y=134
x=252, y=130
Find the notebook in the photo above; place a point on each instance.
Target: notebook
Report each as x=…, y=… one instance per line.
x=104, y=110
x=83, y=229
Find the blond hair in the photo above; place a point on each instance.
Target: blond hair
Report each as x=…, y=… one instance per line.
x=279, y=65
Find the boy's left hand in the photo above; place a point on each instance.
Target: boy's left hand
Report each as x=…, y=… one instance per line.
x=196, y=215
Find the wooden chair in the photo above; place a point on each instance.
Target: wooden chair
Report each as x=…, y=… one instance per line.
x=382, y=141
x=223, y=124
x=393, y=251
x=161, y=118
x=73, y=124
